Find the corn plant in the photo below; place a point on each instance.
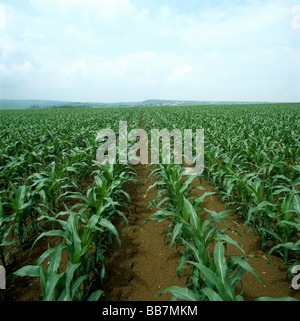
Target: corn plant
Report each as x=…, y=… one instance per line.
x=5, y=227
x=20, y=202
x=196, y=235
x=51, y=185
x=100, y=199
x=216, y=282
x=56, y=286
x=80, y=239
x=284, y=233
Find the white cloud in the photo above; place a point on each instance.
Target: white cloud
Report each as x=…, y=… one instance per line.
x=296, y=17
x=25, y=67
x=7, y=46
x=112, y=50
x=180, y=72
x=85, y=11
x=256, y=25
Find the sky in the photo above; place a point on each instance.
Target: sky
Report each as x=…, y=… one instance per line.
x=133, y=50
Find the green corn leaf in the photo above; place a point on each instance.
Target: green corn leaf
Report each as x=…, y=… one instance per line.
x=51, y=285
x=180, y=293
x=71, y=268
x=276, y=299
x=76, y=284
x=175, y=233
x=48, y=253
x=191, y=213
x=246, y=266
x=55, y=257
x=43, y=279
x=61, y=233
x=222, y=287
x=29, y=270
x=199, y=199
x=220, y=261
x=95, y=295
x=294, y=224
x=197, y=251
x=187, y=183
x=105, y=223
x=211, y=294
x=220, y=216
x=235, y=278
x=228, y=239
x=289, y=246
x=296, y=205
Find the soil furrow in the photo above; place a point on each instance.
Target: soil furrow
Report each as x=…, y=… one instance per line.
x=144, y=265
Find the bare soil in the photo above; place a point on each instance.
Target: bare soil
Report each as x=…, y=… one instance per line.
x=144, y=265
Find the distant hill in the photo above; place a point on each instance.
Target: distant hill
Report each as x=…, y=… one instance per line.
x=40, y=104
x=24, y=104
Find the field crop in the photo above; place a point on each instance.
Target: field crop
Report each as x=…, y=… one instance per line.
x=52, y=187
x=252, y=160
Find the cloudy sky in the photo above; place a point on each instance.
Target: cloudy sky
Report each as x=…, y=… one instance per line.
x=132, y=50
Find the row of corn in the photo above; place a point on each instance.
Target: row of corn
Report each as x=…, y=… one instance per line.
x=84, y=235
x=213, y=275
x=52, y=189
x=251, y=157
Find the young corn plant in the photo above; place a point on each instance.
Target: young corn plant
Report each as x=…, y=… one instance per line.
x=288, y=243
x=24, y=213
x=216, y=281
x=197, y=235
x=84, y=239
x=172, y=189
x=102, y=199
x=50, y=185
x=56, y=286
x=171, y=186
x=5, y=227
x=284, y=232
x=111, y=172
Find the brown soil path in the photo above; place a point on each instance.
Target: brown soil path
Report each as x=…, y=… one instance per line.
x=144, y=265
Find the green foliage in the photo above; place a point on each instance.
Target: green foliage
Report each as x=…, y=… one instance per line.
x=251, y=158
x=251, y=155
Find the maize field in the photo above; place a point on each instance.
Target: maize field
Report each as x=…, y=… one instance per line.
x=63, y=214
